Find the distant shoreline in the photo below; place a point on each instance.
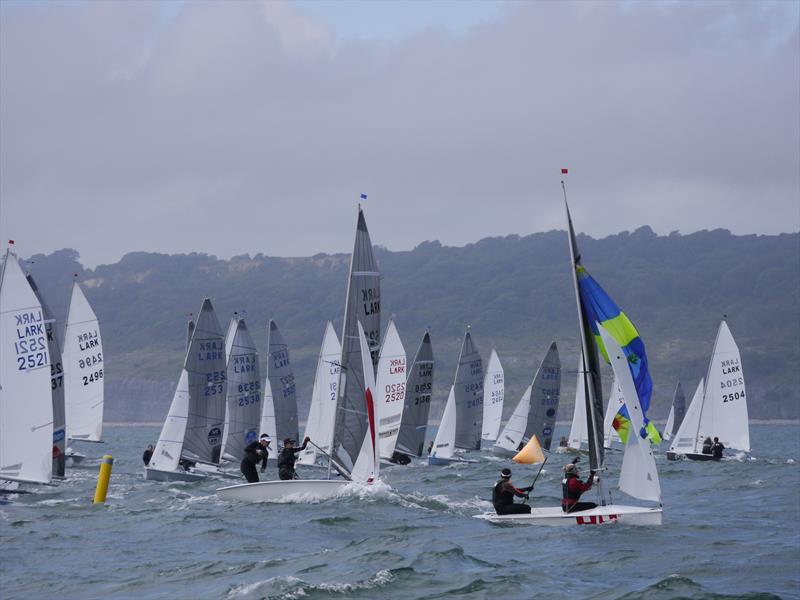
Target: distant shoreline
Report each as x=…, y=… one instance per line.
x=159, y=423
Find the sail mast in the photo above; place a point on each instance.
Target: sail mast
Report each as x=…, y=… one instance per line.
x=591, y=373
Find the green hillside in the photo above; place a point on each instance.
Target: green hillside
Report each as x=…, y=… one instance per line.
x=514, y=292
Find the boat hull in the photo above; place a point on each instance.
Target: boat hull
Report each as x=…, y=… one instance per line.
x=602, y=515
x=283, y=491
x=438, y=461
x=159, y=475
x=698, y=456
x=74, y=458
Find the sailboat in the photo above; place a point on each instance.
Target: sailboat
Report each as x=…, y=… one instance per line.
x=390, y=383
x=26, y=400
x=56, y=385
x=638, y=475
x=279, y=413
x=322, y=412
x=419, y=386
x=535, y=414
x=243, y=414
x=493, y=394
x=192, y=431
x=468, y=395
x=676, y=413
x=84, y=382
x=719, y=407
x=355, y=450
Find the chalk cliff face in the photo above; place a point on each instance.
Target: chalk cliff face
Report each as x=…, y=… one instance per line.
x=515, y=292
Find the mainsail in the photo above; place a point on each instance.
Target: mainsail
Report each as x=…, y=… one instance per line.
x=687, y=438
x=244, y=394
x=205, y=365
x=322, y=412
x=676, y=413
x=83, y=370
x=167, y=453
x=362, y=306
x=390, y=384
x=445, y=442
x=493, y=394
x=26, y=402
x=280, y=378
x=56, y=385
x=468, y=392
x=411, y=439
x=536, y=412
x=724, y=411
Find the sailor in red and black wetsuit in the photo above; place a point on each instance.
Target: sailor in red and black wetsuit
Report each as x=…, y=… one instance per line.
x=503, y=496
x=572, y=488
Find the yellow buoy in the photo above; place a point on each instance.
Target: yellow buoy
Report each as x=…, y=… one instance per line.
x=102, y=479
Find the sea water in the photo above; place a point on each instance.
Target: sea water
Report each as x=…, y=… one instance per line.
x=731, y=530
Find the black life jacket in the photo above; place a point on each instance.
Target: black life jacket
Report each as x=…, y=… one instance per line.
x=501, y=497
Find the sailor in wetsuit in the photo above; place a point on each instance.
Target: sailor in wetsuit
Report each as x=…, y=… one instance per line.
x=147, y=455
x=707, y=445
x=717, y=448
x=503, y=496
x=572, y=488
x=287, y=457
x=254, y=453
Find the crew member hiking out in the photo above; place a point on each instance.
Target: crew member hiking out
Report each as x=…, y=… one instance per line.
x=717, y=448
x=287, y=457
x=503, y=496
x=147, y=454
x=254, y=453
x=572, y=488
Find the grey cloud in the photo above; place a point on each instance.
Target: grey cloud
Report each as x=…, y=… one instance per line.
x=244, y=127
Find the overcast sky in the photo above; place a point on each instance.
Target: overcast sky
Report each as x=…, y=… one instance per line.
x=245, y=127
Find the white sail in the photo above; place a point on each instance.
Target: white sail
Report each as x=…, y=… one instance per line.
x=686, y=439
x=391, y=389
x=638, y=476
x=615, y=402
x=367, y=466
x=724, y=412
x=170, y=443
x=26, y=403
x=228, y=345
x=83, y=371
x=445, y=442
x=578, y=433
x=493, y=395
x=322, y=413
x=268, y=424
x=667, y=435
x=511, y=437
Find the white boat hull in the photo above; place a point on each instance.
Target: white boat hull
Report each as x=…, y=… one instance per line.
x=283, y=491
x=602, y=515
x=74, y=458
x=159, y=475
